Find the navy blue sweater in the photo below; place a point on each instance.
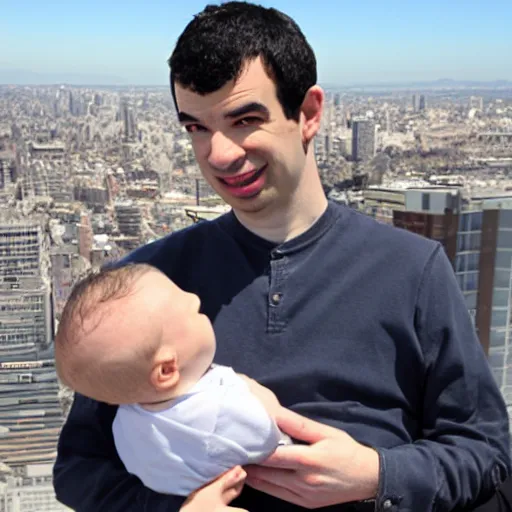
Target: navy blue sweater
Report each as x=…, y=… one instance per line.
x=354, y=324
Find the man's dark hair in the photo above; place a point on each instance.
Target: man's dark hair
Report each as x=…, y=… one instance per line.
x=220, y=40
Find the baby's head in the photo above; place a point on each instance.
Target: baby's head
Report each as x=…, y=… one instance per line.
x=130, y=335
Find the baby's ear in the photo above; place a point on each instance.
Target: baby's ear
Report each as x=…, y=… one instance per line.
x=165, y=374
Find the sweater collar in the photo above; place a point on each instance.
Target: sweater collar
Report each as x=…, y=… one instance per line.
x=231, y=224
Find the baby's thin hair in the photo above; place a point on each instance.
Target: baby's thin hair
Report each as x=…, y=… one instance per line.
x=88, y=301
x=96, y=288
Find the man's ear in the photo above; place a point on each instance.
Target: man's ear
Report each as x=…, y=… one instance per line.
x=311, y=113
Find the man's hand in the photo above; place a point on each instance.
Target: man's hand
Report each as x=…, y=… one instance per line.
x=265, y=395
x=217, y=495
x=332, y=469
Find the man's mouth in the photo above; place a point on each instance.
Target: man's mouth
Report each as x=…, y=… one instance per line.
x=242, y=180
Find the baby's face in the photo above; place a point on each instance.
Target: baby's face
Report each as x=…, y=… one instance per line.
x=185, y=328
x=173, y=316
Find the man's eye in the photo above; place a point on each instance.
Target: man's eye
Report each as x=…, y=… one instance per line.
x=193, y=128
x=248, y=121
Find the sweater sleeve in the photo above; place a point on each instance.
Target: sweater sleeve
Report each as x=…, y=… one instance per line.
x=501, y=500
x=88, y=474
x=462, y=453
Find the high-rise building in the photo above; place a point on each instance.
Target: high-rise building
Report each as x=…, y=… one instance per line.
x=30, y=412
x=476, y=102
x=129, y=218
x=25, y=300
x=7, y=170
x=71, y=104
x=85, y=236
x=432, y=213
x=328, y=145
x=363, y=139
x=389, y=128
x=31, y=492
x=129, y=221
x=484, y=271
x=129, y=122
x=423, y=103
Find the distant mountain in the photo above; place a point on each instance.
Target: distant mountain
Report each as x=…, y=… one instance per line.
x=442, y=83
x=12, y=76
x=449, y=82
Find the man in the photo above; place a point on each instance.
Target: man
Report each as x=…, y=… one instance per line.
x=501, y=501
x=359, y=328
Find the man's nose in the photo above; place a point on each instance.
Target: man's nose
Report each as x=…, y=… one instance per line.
x=225, y=154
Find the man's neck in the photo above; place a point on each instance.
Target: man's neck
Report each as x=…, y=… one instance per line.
x=293, y=219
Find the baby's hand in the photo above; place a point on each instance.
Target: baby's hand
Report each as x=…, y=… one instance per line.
x=217, y=495
x=265, y=395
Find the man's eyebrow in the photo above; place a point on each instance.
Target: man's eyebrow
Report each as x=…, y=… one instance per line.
x=183, y=117
x=254, y=106
x=251, y=107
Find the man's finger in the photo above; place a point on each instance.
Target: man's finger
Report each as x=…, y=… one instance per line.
x=289, y=457
x=280, y=477
x=302, y=428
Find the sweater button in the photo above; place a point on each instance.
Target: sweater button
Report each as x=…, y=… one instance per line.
x=276, y=298
x=387, y=504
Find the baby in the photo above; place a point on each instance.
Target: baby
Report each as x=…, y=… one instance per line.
x=130, y=337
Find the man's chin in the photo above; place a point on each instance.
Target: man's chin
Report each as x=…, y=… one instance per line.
x=257, y=203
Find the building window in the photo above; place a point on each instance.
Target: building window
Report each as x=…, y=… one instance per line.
x=476, y=221
x=500, y=298
x=499, y=318
x=471, y=282
x=502, y=279
x=467, y=262
x=460, y=263
x=473, y=260
x=425, y=201
x=464, y=222
x=474, y=241
x=470, y=300
x=503, y=259
x=497, y=338
x=504, y=239
x=496, y=352
x=506, y=218
x=469, y=242
x=461, y=243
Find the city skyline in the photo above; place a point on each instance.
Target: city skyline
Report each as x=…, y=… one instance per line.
x=368, y=42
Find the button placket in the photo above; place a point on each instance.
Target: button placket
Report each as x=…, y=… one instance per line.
x=276, y=314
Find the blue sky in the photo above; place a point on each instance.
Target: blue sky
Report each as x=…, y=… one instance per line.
x=355, y=41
